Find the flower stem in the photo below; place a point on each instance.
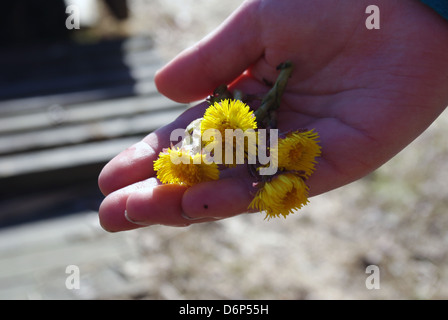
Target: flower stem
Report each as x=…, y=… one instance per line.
x=272, y=99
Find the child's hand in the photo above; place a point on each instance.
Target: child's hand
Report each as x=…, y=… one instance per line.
x=368, y=93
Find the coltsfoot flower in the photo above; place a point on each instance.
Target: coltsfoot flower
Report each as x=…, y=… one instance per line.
x=179, y=166
x=297, y=152
x=284, y=194
x=234, y=115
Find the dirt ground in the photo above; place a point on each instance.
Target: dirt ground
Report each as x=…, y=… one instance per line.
x=395, y=218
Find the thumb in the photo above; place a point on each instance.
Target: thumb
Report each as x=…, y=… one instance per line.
x=217, y=59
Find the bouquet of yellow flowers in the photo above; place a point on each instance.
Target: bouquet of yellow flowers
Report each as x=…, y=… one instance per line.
x=231, y=134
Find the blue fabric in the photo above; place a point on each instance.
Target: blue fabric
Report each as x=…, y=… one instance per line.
x=441, y=6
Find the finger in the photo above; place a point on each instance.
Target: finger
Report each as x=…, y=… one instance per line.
x=112, y=210
x=159, y=205
x=218, y=59
x=218, y=199
x=136, y=163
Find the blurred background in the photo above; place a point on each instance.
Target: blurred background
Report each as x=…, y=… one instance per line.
x=71, y=99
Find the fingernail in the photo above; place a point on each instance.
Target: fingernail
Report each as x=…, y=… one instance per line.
x=140, y=223
x=184, y=215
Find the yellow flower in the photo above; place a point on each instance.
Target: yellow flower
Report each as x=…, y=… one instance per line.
x=234, y=115
x=284, y=194
x=298, y=152
x=178, y=166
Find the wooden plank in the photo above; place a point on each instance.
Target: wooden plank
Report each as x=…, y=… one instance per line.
x=57, y=115
x=47, y=202
x=64, y=157
x=85, y=132
x=146, y=87
x=14, y=70
x=34, y=258
x=71, y=81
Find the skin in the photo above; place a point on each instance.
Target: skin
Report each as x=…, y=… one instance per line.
x=368, y=93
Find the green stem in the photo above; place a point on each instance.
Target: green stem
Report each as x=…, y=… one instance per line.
x=272, y=99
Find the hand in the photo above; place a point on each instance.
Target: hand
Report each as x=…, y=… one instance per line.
x=368, y=93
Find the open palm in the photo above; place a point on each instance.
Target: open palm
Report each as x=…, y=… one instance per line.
x=368, y=93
